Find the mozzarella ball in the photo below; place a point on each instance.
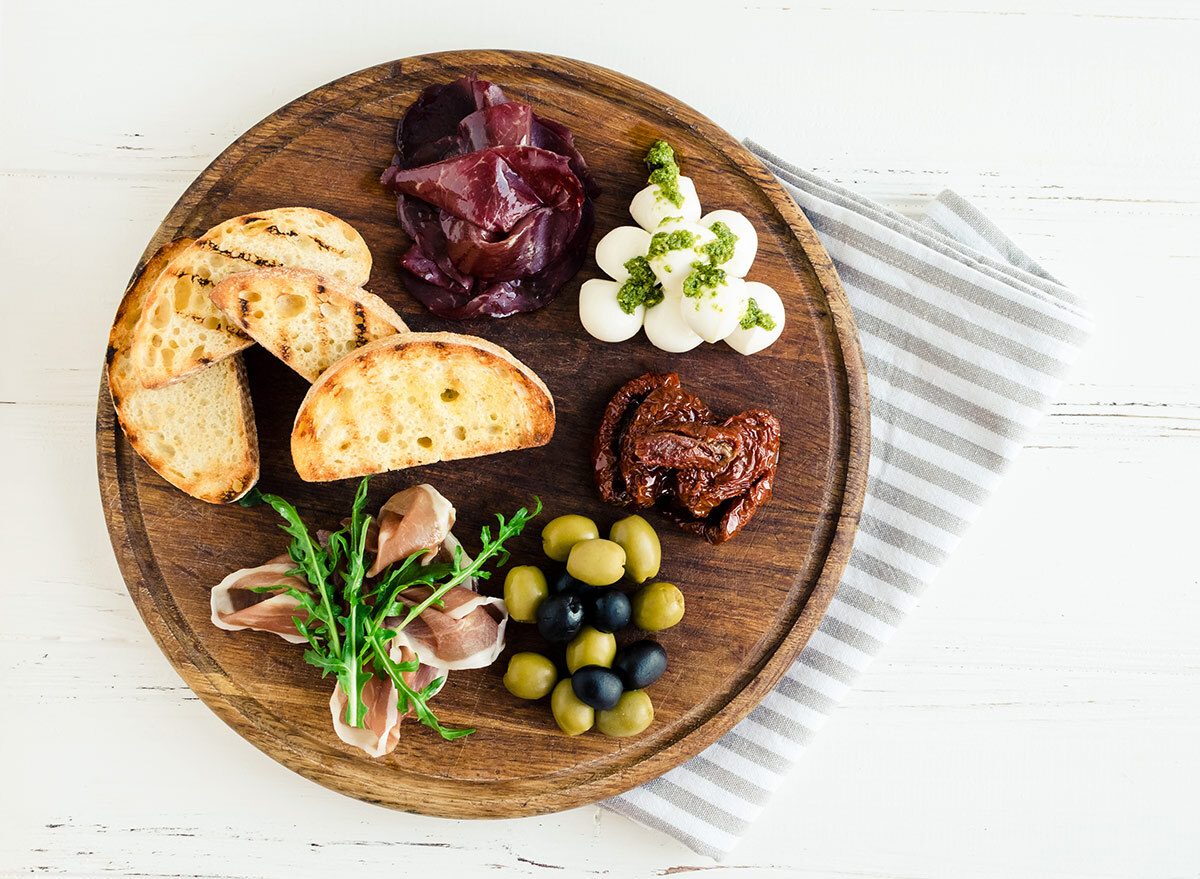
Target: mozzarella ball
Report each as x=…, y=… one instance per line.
x=601, y=314
x=746, y=246
x=649, y=208
x=665, y=327
x=673, y=266
x=618, y=247
x=716, y=312
x=753, y=340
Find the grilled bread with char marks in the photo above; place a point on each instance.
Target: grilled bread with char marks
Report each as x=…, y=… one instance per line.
x=306, y=319
x=197, y=433
x=181, y=331
x=417, y=399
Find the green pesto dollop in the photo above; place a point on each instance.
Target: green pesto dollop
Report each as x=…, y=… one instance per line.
x=662, y=242
x=704, y=279
x=756, y=317
x=642, y=288
x=721, y=250
x=664, y=172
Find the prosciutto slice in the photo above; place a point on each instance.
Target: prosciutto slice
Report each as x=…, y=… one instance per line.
x=414, y=519
x=466, y=632
x=463, y=630
x=380, y=732
x=236, y=606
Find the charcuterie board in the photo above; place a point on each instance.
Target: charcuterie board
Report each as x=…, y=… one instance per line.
x=752, y=602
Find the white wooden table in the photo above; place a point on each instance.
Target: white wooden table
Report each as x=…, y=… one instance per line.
x=1039, y=715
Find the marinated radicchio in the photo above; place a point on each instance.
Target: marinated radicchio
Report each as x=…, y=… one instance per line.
x=497, y=200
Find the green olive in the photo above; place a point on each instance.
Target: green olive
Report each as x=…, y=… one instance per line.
x=529, y=675
x=562, y=533
x=591, y=647
x=643, y=554
x=657, y=606
x=596, y=562
x=524, y=590
x=571, y=715
x=632, y=714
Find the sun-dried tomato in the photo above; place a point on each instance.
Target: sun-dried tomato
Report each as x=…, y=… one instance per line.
x=663, y=407
x=657, y=443
x=679, y=446
x=606, y=448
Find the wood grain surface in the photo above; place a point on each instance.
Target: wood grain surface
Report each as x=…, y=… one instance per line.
x=752, y=603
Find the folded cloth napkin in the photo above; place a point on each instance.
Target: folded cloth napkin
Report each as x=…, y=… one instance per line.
x=966, y=340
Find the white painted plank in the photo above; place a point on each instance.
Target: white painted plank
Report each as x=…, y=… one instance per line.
x=1034, y=717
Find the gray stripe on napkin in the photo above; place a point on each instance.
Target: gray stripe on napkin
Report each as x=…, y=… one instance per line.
x=928, y=430
x=770, y=760
x=915, y=506
x=904, y=380
x=731, y=781
x=826, y=665
x=875, y=567
x=868, y=604
x=629, y=810
x=950, y=322
x=927, y=471
x=965, y=368
x=682, y=798
x=973, y=292
x=805, y=695
x=965, y=337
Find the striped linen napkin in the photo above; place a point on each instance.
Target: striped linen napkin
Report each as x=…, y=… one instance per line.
x=966, y=340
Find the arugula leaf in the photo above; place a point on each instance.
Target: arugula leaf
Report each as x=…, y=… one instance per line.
x=344, y=624
x=315, y=565
x=352, y=673
x=252, y=498
x=490, y=548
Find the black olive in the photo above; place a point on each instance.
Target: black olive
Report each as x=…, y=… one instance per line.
x=596, y=686
x=608, y=610
x=640, y=664
x=561, y=581
x=560, y=617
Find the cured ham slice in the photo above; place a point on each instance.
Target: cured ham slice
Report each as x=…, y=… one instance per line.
x=507, y=124
x=497, y=201
x=413, y=519
x=381, y=725
x=481, y=188
x=236, y=606
x=462, y=630
x=380, y=731
x=466, y=632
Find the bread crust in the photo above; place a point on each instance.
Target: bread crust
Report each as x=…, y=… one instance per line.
x=178, y=306
x=325, y=415
x=373, y=317
x=237, y=474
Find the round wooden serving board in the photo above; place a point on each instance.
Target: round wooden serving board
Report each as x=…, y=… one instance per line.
x=751, y=604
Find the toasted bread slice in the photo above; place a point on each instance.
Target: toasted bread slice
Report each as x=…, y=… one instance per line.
x=306, y=319
x=181, y=331
x=198, y=433
x=416, y=399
